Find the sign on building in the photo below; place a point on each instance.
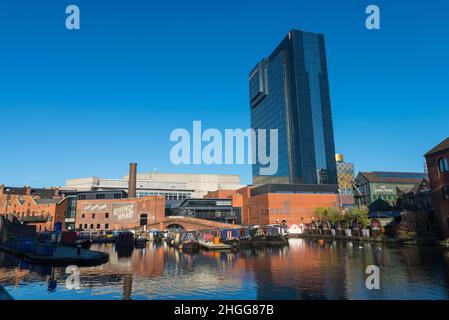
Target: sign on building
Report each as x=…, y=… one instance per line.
x=124, y=211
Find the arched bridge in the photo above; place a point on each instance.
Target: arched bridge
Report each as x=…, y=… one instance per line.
x=188, y=223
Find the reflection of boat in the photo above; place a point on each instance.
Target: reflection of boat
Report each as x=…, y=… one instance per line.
x=140, y=242
x=124, y=240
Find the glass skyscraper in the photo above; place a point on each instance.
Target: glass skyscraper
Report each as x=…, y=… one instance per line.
x=289, y=91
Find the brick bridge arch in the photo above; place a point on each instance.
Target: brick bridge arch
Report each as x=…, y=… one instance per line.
x=189, y=223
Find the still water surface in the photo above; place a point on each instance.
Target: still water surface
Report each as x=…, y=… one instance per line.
x=306, y=269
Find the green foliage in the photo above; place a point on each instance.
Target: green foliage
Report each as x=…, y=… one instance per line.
x=329, y=214
x=360, y=214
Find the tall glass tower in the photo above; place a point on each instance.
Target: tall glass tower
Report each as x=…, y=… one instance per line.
x=289, y=91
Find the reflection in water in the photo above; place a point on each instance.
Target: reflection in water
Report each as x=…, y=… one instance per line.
x=306, y=269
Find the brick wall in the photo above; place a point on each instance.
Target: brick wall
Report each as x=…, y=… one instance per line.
x=437, y=181
x=101, y=215
x=293, y=208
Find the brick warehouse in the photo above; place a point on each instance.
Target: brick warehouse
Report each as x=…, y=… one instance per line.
x=275, y=203
x=104, y=215
x=438, y=167
x=38, y=207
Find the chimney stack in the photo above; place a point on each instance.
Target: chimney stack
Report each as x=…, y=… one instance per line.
x=27, y=190
x=2, y=189
x=132, y=182
x=57, y=192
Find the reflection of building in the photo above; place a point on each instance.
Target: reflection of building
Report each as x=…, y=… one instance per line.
x=103, y=215
x=345, y=175
x=172, y=186
x=39, y=207
x=289, y=91
x=220, y=210
x=372, y=186
x=438, y=167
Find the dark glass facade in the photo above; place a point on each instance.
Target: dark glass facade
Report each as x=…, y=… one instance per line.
x=289, y=91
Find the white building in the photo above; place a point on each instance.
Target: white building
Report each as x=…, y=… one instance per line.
x=174, y=186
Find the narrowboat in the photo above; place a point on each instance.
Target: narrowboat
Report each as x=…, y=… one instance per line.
x=188, y=242
x=252, y=236
x=231, y=237
x=276, y=235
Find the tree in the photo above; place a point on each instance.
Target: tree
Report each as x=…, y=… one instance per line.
x=359, y=214
x=321, y=214
x=333, y=215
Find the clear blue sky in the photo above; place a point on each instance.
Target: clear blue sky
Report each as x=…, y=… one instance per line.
x=86, y=103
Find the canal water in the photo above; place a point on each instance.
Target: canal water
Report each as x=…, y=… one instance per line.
x=306, y=269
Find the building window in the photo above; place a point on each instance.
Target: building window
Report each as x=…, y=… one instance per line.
x=106, y=215
x=85, y=226
x=93, y=215
x=81, y=226
x=98, y=226
x=443, y=165
x=143, y=219
x=446, y=192
x=82, y=197
x=101, y=196
x=83, y=215
x=106, y=226
x=91, y=226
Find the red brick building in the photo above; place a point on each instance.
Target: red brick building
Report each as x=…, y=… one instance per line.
x=39, y=207
x=437, y=164
x=268, y=204
x=118, y=214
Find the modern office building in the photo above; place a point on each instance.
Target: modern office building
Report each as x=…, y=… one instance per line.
x=345, y=175
x=372, y=186
x=219, y=210
x=438, y=167
x=289, y=91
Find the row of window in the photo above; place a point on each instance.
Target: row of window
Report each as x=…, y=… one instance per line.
x=106, y=226
x=100, y=196
x=106, y=215
x=167, y=195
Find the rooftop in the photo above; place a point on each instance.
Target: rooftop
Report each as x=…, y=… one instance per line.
x=394, y=177
x=440, y=147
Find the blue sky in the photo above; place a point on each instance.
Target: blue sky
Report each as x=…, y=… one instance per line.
x=86, y=103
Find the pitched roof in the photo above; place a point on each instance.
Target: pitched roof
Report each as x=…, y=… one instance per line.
x=440, y=147
x=41, y=192
x=394, y=177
